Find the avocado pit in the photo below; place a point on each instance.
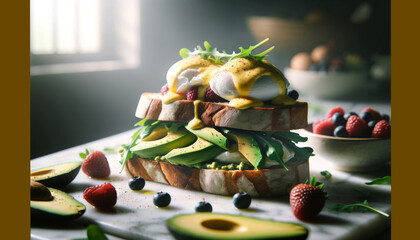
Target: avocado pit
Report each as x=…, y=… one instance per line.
x=39, y=192
x=223, y=225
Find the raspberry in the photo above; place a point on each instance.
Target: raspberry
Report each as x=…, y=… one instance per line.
x=102, y=196
x=357, y=127
x=382, y=129
x=96, y=165
x=211, y=96
x=164, y=90
x=325, y=127
x=375, y=114
x=333, y=110
x=192, y=94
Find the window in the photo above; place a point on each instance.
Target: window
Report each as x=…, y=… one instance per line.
x=83, y=35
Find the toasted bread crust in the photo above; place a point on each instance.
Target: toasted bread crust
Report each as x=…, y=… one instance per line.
x=258, y=183
x=267, y=118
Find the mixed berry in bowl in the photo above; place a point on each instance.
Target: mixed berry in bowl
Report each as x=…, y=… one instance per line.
x=369, y=123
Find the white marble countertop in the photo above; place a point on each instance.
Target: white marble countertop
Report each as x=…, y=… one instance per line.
x=135, y=216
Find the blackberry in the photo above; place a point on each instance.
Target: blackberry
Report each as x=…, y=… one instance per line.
x=292, y=93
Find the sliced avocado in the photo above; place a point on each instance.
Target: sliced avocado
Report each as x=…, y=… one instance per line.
x=57, y=176
x=159, y=147
x=248, y=147
x=201, y=150
x=226, y=226
x=157, y=133
x=211, y=135
x=62, y=207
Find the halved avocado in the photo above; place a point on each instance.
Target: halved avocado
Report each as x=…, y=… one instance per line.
x=159, y=147
x=201, y=150
x=57, y=176
x=62, y=207
x=226, y=226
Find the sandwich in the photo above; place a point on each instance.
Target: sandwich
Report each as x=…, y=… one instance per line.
x=223, y=123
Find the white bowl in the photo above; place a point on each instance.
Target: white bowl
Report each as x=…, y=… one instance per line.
x=349, y=154
x=325, y=85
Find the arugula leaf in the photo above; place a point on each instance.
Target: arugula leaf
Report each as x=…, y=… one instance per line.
x=127, y=153
x=272, y=149
x=326, y=174
x=292, y=136
x=211, y=53
x=304, y=152
x=363, y=206
x=95, y=233
x=380, y=181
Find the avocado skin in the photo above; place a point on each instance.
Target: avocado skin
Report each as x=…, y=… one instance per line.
x=62, y=179
x=180, y=235
x=42, y=214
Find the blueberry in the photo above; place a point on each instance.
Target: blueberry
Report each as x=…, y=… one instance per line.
x=203, y=206
x=371, y=124
x=338, y=119
x=242, y=200
x=136, y=183
x=347, y=115
x=162, y=199
x=341, y=131
x=385, y=117
x=292, y=93
x=367, y=116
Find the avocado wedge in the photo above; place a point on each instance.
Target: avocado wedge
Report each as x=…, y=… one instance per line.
x=201, y=150
x=248, y=147
x=211, y=135
x=59, y=207
x=57, y=176
x=225, y=226
x=159, y=147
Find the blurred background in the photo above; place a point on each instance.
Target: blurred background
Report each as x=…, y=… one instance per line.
x=91, y=59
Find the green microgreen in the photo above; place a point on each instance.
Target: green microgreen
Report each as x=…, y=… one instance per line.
x=212, y=54
x=326, y=174
x=362, y=206
x=93, y=232
x=380, y=181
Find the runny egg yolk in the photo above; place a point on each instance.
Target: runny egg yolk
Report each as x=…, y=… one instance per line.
x=237, y=77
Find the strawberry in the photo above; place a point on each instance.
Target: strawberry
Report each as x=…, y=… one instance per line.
x=307, y=200
x=211, y=96
x=95, y=164
x=192, y=94
x=324, y=127
x=333, y=110
x=357, y=127
x=164, y=90
x=382, y=129
x=375, y=114
x=102, y=196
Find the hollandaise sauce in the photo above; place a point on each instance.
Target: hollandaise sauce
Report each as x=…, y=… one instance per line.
x=244, y=72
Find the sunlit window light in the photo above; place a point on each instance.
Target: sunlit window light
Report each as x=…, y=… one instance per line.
x=65, y=26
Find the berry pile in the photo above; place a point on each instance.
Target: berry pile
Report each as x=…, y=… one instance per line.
x=370, y=123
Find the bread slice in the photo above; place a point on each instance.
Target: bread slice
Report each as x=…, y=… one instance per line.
x=267, y=118
x=258, y=183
